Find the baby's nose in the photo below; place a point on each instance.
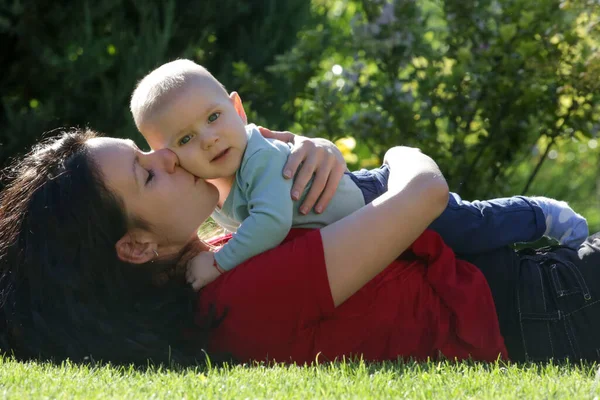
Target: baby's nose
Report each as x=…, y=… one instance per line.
x=208, y=140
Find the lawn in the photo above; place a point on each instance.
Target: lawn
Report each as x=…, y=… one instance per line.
x=340, y=380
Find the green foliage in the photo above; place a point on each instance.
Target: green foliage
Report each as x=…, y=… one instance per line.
x=77, y=62
x=484, y=87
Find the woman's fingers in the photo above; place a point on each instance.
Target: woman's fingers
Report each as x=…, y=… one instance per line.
x=329, y=167
x=332, y=183
x=321, y=176
x=301, y=151
x=325, y=161
x=303, y=177
x=311, y=157
x=284, y=136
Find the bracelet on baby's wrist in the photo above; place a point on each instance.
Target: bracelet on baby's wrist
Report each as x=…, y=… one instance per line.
x=219, y=269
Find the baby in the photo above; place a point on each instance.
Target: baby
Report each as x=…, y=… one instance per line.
x=181, y=106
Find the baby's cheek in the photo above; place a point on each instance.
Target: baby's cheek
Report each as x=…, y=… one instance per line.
x=190, y=162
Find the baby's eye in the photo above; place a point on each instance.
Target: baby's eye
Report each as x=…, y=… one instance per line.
x=185, y=139
x=213, y=117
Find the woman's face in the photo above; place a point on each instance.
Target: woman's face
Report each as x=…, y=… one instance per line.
x=155, y=189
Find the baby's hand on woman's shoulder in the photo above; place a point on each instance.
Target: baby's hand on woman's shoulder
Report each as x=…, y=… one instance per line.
x=202, y=270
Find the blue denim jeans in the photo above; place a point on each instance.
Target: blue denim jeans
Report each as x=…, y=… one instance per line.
x=470, y=227
x=547, y=301
x=558, y=306
x=372, y=182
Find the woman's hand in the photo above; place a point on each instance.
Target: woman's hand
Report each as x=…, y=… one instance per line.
x=319, y=157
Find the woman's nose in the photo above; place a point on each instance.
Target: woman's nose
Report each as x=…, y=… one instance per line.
x=168, y=158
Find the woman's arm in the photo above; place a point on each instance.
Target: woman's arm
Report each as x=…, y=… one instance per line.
x=362, y=244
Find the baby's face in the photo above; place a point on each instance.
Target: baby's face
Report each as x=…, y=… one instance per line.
x=204, y=126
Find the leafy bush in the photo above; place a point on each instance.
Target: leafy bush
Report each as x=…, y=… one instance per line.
x=76, y=62
x=477, y=85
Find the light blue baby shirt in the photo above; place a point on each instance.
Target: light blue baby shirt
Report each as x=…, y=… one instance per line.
x=259, y=209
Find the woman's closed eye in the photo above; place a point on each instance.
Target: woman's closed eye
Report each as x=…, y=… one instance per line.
x=150, y=176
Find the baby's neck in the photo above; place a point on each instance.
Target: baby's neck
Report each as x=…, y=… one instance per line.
x=224, y=186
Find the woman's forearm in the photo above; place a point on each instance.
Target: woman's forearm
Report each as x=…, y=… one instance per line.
x=361, y=245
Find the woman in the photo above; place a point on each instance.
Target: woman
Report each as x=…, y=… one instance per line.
x=65, y=293
x=89, y=231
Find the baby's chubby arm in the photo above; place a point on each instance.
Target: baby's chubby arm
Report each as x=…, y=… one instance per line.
x=270, y=208
x=201, y=270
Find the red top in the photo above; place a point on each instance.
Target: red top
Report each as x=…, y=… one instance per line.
x=427, y=303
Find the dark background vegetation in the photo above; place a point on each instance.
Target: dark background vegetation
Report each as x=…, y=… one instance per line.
x=502, y=93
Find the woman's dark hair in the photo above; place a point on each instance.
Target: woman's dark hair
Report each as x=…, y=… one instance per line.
x=64, y=293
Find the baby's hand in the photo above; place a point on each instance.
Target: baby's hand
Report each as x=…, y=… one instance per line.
x=201, y=270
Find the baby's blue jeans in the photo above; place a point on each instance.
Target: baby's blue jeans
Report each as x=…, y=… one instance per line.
x=470, y=227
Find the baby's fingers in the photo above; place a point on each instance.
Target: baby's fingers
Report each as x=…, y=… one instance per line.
x=198, y=284
x=189, y=277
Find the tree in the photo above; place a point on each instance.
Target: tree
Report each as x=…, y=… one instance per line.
x=477, y=85
x=77, y=62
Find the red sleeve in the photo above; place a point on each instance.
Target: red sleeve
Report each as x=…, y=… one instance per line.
x=268, y=298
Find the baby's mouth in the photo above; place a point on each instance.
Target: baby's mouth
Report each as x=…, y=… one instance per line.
x=220, y=155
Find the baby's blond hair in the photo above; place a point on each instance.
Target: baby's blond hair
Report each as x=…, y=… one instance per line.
x=160, y=85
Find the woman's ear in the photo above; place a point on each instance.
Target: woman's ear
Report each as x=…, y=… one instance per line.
x=239, y=107
x=135, y=249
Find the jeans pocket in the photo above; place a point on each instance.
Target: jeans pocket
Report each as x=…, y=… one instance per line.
x=567, y=280
x=546, y=328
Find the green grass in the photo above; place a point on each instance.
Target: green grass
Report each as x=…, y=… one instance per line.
x=339, y=380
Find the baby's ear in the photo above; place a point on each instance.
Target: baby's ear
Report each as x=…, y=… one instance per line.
x=239, y=107
x=135, y=250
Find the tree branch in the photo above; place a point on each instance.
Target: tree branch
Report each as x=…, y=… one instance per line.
x=538, y=166
x=552, y=141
